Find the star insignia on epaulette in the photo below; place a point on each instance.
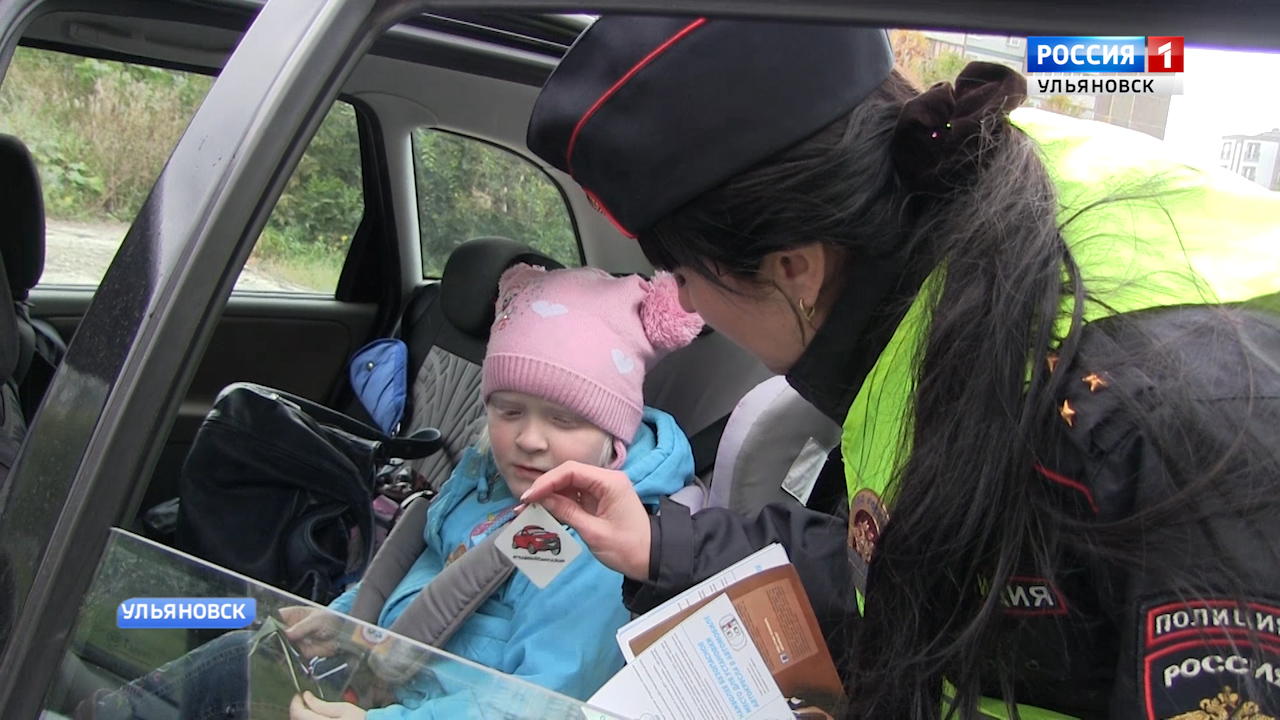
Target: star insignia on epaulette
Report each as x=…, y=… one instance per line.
x=1068, y=413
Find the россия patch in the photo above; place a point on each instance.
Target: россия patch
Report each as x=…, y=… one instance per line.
x=1211, y=658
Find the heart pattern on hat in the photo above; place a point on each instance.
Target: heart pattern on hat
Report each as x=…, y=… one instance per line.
x=623, y=362
x=583, y=339
x=548, y=309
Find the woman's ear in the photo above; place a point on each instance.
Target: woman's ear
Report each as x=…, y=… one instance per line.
x=798, y=272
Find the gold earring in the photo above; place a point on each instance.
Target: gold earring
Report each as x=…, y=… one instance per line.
x=807, y=312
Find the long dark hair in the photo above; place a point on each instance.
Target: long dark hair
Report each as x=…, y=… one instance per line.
x=968, y=511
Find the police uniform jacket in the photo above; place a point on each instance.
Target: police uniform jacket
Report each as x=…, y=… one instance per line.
x=1184, y=288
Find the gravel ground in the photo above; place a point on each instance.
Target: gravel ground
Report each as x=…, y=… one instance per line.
x=78, y=253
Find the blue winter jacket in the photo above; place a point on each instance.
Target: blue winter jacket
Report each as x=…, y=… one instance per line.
x=561, y=637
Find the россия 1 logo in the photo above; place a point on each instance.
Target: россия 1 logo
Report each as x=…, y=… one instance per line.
x=1071, y=64
x=1085, y=54
x=1164, y=54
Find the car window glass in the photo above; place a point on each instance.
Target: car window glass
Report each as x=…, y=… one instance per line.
x=377, y=667
x=307, y=237
x=100, y=132
x=468, y=188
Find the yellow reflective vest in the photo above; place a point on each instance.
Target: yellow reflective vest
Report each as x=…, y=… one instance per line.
x=1206, y=236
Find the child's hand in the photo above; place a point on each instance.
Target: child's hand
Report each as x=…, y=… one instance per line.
x=312, y=630
x=603, y=507
x=309, y=707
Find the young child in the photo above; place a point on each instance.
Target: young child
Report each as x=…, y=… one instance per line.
x=562, y=381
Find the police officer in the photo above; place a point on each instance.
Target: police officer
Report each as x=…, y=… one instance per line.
x=1054, y=349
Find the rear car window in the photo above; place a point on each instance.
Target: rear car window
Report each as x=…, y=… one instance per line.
x=468, y=188
x=100, y=132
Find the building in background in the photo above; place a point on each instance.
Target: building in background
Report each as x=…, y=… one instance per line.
x=1006, y=50
x=1144, y=113
x=1254, y=157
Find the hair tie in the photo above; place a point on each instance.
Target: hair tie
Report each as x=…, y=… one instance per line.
x=935, y=142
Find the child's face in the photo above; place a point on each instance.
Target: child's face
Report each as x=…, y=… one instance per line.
x=530, y=436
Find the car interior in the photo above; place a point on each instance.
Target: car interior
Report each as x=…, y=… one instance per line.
x=475, y=81
x=478, y=88
x=469, y=80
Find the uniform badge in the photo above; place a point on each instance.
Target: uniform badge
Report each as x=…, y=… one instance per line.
x=867, y=518
x=1211, y=659
x=1226, y=704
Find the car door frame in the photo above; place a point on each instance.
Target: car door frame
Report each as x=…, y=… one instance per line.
x=111, y=402
x=91, y=446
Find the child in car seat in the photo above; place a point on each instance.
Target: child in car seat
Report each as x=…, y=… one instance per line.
x=562, y=381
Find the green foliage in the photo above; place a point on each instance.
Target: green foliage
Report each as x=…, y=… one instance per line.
x=101, y=131
x=468, y=188
x=310, y=266
x=324, y=200
x=915, y=57
x=69, y=185
x=308, y=234
x=946, y=65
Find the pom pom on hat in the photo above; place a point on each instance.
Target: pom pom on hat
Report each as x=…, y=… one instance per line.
x=665, y=322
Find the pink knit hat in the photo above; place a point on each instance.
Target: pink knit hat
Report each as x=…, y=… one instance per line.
x=584, y=339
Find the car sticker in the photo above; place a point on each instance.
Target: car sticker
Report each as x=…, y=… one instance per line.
x=538, y=546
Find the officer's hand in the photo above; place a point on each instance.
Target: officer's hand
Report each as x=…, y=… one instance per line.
x=602, y=506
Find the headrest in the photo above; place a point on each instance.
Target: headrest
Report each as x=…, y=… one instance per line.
x=772, y=449
x=22, y=207
x=469, y=285
x=648, y=113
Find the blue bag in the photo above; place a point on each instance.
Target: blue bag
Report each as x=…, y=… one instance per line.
x=380, y=377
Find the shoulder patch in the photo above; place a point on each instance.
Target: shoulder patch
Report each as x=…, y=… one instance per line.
x=1211, y=658
x=867, y=518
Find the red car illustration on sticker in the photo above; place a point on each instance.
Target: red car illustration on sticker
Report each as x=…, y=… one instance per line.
x=534, y=539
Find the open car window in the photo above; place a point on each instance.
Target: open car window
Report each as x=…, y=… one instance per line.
x=357, y=662
x=100, y=132
x=468, y=188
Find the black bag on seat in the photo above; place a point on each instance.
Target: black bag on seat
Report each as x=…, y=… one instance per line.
x=274, y=484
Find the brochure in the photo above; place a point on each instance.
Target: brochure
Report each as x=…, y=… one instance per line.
x=772, y=633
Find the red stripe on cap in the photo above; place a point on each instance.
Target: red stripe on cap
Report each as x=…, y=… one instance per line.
x=599, y=206
x=1068, y=482
x=573, y=139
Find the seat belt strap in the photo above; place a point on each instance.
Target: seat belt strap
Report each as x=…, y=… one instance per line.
x=441, y=607
x=454, y=595
x=398, y=553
